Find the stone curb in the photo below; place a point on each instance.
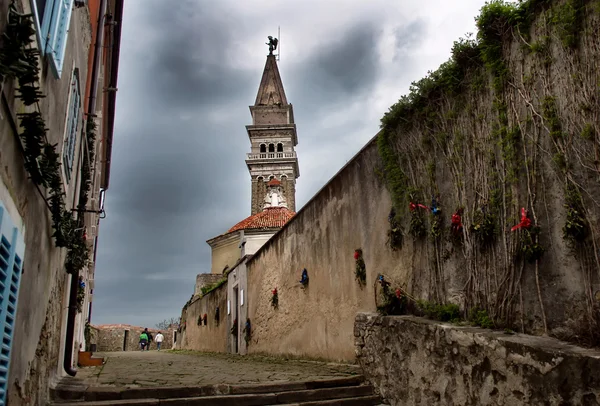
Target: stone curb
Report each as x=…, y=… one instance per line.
x=66, y=392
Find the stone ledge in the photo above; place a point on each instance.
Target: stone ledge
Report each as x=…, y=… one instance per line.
x=412, y=360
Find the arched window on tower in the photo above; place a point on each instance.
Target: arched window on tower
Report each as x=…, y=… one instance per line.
x=271, y=147
x=280, y=147
x=263, y=148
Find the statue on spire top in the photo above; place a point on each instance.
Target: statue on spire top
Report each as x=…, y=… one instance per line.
x=272, y=44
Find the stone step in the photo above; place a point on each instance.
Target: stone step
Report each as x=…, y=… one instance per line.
x=343, y=396
x=68, y=391
x=356, y=401
x=324, y=394
x=232, y=400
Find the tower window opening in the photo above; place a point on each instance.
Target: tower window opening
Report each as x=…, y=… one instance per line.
x=271, y=147
x=280, y=147
x=263, y=148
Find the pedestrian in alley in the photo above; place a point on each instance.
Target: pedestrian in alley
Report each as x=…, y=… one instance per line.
x=149, y=338
x=159, y=339
x=143, y=340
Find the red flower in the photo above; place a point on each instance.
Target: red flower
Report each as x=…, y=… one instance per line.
x=525, y=221
x=274, y=291
x=356, y=255
x=398, y=293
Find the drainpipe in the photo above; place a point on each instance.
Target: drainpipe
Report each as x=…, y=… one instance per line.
x=72, y=313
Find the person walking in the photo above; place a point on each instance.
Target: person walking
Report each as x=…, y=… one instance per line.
x=143, y=340
x=149, y=339
x=159, y=339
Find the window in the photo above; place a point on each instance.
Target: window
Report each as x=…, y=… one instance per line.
x=263, y=148
x=280, y=147
x=72, y=128
x=12, y=248
x=53, y=19
x=271, y=148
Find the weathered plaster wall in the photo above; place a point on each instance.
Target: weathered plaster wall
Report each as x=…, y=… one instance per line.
x=255, y=240
x=225, y=253
x=110, y=338
x=414, y=361
x=349, y=212
x=35, y=359
x=212, y=336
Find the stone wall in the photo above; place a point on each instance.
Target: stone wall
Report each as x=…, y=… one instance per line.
x=349, y=212
x=463, y=165
x=414, y=361
x=111, y=338
x=205, y=279
x=37, y=350
x=210, y=337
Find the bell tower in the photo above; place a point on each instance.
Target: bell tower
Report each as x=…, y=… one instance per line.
x=272, y=138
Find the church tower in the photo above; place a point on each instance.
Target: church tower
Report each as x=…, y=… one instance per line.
x=273, y=140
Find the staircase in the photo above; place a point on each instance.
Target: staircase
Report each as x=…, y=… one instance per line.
x=352, y=391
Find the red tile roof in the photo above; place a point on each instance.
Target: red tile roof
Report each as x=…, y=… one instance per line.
x=271, y=217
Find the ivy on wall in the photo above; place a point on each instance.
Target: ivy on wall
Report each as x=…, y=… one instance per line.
x=19, y=60
x=480, y=133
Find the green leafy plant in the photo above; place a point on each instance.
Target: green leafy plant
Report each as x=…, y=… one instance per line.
x=392, y=302
x=484, y=227
x=575, y=229
x=395, y=236
x=80, y=295
x=19, y=61
x=479, y=317
x=442, y=312
x=436, y=227
x=209, y=288
x=530, y=248
x=360, y=270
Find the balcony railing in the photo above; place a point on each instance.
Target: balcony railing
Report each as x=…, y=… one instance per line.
x=271, y=155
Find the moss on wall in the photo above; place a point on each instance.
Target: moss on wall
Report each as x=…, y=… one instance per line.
x=508, y=123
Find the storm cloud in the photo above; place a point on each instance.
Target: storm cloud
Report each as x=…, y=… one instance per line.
x=188, y=72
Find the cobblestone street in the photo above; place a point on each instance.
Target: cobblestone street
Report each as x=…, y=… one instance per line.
x=186, y=368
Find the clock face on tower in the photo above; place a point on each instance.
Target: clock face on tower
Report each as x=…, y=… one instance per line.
x=273, y=140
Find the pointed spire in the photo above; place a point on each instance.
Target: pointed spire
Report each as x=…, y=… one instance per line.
x=270, y=92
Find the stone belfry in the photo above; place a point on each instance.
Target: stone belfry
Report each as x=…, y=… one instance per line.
x=272, y=137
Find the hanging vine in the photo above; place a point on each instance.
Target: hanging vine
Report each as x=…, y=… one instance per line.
x=484, y=128
x=18, y=60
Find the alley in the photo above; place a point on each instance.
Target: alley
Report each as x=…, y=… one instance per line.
x=186, y=368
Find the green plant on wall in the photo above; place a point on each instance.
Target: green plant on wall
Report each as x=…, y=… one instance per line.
x=575, y=228
x=480, y=317
x=395, y=236
x=484, y=227
x=360, y=269
x=388, y=301
x=530, y=248
x=18, y=60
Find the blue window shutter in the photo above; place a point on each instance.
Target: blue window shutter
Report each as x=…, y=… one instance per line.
x=73, y=120
x=43, y=12
x=57, y=35
x=12, y=248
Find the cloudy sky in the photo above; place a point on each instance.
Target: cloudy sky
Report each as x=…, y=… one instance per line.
x=189, y=70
